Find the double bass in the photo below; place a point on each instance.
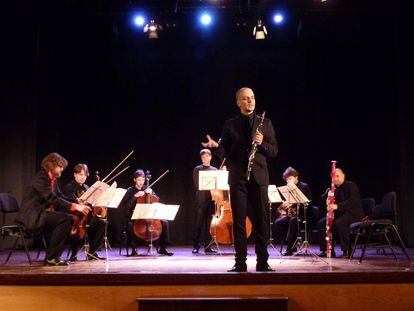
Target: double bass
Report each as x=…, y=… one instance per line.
x=148, y=230
x=221, y=226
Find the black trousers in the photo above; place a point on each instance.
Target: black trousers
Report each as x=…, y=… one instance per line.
x=340, y=230
x=201, y=232
x=162, y=241
x=57, y=228
x=285, y=228
x=250, y=199
x=96, y=234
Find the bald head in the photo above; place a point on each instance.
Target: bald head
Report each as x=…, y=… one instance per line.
x=245, y=100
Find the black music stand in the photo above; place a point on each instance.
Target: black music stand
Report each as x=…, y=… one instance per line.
x=274, y=197
x=294, y=195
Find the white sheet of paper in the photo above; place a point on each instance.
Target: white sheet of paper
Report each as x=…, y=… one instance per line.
x=273, y=194
x=211, y=180
x=155, y=211
x=94, y=191
x=111, y=197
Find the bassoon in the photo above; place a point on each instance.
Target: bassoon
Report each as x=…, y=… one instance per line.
x=330, y=213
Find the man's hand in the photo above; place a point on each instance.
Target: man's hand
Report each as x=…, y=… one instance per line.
x=332, y=207
x=139, y=194
x=148, y=191
x=258, y=138
x=211, y=143
x=84, y=209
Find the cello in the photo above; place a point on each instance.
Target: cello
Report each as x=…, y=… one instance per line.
x=148, y=230
x=221, y=226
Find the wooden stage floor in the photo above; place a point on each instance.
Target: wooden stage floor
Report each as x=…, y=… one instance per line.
x=184, y=268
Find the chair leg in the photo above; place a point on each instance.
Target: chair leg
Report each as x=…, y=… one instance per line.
x=25, y=246
x=355, y=245
x=365, y=245
x=389, y=243
x=401, y=242
x=12, y=249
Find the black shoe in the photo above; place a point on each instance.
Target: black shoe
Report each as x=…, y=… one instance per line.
x=94, y=256
x=56, y=262
x=73, y=258
x=238, y=268
x=195, y=250
x=289, y=251
x=346, y=254
x=209, y=250
x=164, y=251
x=264, y=268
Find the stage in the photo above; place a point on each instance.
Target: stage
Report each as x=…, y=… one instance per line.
x=379, y=281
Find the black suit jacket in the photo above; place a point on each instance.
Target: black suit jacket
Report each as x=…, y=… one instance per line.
x=72, y=190
x=348, y=199
x=236, y=146
x=38, y=198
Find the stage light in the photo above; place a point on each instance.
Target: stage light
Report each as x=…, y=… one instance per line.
x=205, y=19
x=153, y=29
x=278, y=18
x=259, y=31
x=139, y=20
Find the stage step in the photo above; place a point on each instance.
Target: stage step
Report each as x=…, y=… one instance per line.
x=214, y=303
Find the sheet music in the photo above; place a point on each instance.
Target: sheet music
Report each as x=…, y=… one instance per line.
x=111, y=197
x=293, y=195
x=273, y=194
x=155, y=211
x=94, y=191
x=211, y=180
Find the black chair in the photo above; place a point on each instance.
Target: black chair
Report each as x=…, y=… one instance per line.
x=9, y=205
x=375, y=231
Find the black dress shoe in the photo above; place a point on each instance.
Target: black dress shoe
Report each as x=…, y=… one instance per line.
x=209, y=250
x=346, y=254
x=195, y=250
x=289, y=251
x=164, y=251
x=56, y=262
x=73, y=258
x=238, y=268
x=264, y=268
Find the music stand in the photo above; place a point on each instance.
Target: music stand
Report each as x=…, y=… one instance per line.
x=274, y=197
x=294, y=195
x=154, y=211
x=213, y=180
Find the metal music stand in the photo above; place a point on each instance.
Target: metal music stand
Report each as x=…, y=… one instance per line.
x=274, y=197
x=154, y=211
x=293, y=195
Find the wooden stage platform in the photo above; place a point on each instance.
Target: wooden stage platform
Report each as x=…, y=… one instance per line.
x=379, y=283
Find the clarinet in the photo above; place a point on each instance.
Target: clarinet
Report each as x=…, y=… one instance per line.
x=254, y=147
x=330, y=213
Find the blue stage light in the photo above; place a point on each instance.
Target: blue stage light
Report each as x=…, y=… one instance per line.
x=206, y=19
x=139, y=20
x=278, y=18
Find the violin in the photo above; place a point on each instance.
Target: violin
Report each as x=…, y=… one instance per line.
x=147, y=230
x=221, y=226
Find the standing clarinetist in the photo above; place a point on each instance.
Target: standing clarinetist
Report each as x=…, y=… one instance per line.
x=249, y=196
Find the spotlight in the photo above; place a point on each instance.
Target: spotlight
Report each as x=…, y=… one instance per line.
x=259, y=31
x=139, y=20
x=205, y=19
x=278, y=18
x=152, y=28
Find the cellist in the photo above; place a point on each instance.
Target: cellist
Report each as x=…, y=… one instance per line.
x=127, y=206
x=204, y=206
x=96, y=229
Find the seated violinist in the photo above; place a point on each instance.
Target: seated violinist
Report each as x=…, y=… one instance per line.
x=96, y=225
x=45, y=210
x=127, y=205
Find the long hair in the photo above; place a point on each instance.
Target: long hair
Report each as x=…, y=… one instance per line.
x=52, y=160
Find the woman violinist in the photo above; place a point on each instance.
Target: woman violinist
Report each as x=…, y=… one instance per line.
x=127, y=205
